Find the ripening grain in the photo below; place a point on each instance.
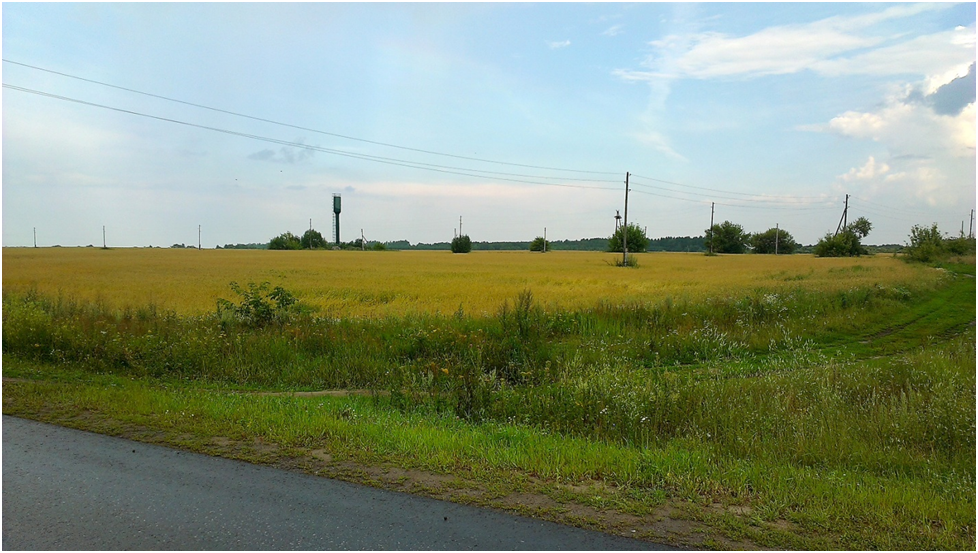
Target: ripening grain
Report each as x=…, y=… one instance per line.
x=377, y=284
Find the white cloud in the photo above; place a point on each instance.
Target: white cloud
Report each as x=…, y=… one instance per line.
x=832, y=46
x=614, y=30
x=559, y=44
x=870, y=171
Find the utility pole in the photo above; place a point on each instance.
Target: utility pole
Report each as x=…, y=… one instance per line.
x=362, y=241
x=843, y=222
x=310, y=224
x=198, y=238
x=777, y=233
x=544, y=239
x=35, y=237
x=971, y=225
x=103, y=238
x=460, y=225
x=624, y=228
x=712, y=206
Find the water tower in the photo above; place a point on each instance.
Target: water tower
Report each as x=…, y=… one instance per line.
x=336, y=219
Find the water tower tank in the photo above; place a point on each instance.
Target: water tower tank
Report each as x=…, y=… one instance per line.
x=336, y=219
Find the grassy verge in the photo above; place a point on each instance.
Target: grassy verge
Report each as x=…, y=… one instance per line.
x=663, y=422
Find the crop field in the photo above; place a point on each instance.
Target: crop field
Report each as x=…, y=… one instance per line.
x=377, y=284
x=742, y=401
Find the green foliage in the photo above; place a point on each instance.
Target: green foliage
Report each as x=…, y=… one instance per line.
x=637, y=240
x=539, y=245
x=928, y=245
x=285, y=241
x=727, y=237
x=846, y=243
x=312, y=239
x=378, y=247
x=788, y=400
x=258, y=306
x=461, y=244
x=772, y=240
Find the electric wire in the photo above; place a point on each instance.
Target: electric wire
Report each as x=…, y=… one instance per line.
x=366, y=157
x=723, y=191
x=337, y=135
x=755, y=198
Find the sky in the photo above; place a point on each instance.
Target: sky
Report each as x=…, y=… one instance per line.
x=241, y=121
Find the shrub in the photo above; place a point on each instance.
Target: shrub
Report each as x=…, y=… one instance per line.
x=461, y=244
x=312, y=239
x=258, y=306
x=773, y=240
x=727, y=237
x=637, y=240
x=285, y=241
x=539, y=245
x=846, y=243
x=928, y=245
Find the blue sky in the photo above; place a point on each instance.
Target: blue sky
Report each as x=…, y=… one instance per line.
x=772, y=111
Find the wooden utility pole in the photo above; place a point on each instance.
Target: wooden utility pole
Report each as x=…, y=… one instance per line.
x=198, y=238
x=843, y=222
x=544, y=239
x=624, y=228
x=777, y=233
x=712, y=206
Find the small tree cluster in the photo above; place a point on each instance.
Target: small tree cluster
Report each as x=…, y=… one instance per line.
x=540, y=245
x=773, y=240
x=727, y=237
x=846, y=243
x=461, y=244
x=310, y=240
x=928, y=244
x=637, y=241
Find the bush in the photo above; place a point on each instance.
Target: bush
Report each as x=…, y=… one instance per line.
x=312, y=239
x=727, y=237
x=539, y=245
x=285, y=241
x=258, y=306
x=637, y=240
x=846, y=243
x=928, y=245
x=461, y=244
x=773, y=241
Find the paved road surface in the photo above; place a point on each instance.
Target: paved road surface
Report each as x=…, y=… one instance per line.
x=65, y=489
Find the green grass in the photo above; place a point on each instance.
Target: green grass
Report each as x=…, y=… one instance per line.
x=797, y=420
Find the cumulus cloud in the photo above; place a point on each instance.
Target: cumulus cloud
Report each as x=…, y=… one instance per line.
x=559, y=44
x=614, y=30
x=954, y=96
x=870, y=171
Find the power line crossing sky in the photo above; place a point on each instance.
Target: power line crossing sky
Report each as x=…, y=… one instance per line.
x=245, y=118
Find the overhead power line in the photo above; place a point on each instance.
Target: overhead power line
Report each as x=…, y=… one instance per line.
x=328, y=133
x=366, y=157
x=726, y=191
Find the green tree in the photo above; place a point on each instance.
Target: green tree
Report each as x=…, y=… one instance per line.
x=539, y=245
x=312, y=239
x=461, y=244
x=285, y=241
x=727, y=237
x=637, y=241
x=773, y=240
x=846, y=243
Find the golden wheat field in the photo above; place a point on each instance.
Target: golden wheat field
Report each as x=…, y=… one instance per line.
x=377, y=284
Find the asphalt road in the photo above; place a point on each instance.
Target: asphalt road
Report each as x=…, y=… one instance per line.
x=65, y=489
